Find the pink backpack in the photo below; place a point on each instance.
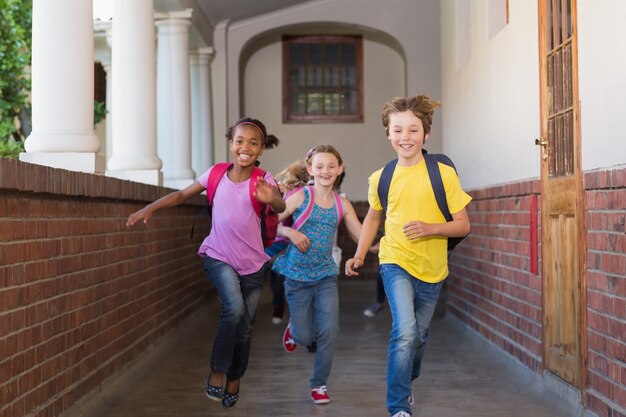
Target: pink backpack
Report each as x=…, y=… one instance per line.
x=269, y=219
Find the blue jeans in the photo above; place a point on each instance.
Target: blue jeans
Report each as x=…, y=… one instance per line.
x=239, y=295
x=314, y=310
x=412, y=303
x=277, y=280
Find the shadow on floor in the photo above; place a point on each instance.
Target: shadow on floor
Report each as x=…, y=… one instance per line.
x=463, y=375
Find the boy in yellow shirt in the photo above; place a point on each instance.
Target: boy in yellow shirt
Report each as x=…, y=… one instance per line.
x=413, y=253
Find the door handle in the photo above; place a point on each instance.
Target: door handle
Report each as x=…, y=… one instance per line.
x=544, y=145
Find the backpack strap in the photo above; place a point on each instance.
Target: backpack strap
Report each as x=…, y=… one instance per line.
x=385, y=181
x=217, y=172
x=297, y=223
x=432, y=165
x=257, y=173
x=338, y=206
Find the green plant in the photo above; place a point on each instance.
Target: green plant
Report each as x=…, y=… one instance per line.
x=99, y=112
x=15, y=56
x=11, y=148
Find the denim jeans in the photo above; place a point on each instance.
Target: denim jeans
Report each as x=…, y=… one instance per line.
x=239, y=295
x=276, y=279
x=314, y=310
x=412, y=303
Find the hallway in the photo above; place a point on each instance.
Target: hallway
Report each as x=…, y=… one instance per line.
x=463, y=375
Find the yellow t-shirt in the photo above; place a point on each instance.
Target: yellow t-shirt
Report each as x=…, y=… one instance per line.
x=411, y=197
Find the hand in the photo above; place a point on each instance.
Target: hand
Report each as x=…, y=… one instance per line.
x=351, y=265
x=264, y=192
x=299, y=240
x=142, y=214
x=416, y=229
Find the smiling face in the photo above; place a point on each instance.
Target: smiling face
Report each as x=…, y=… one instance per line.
x=324, y=167
x=246, y=145
x=407, y=136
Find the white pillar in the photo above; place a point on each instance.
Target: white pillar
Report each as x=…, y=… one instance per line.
x=102, y=54
x=62, y=87
x=133, y=154
x=219, y=77
x=173, y=98
x=201, y=110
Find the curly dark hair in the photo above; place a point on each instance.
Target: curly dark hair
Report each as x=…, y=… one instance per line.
x=269, y=141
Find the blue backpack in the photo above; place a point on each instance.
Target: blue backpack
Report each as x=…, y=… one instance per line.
x=434, y=174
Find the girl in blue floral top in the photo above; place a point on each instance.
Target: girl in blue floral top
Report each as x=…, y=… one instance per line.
x=308, y=267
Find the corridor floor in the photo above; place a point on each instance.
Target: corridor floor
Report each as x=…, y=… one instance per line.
x=463, y=375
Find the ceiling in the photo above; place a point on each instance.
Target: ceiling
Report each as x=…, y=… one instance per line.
x=232, y=10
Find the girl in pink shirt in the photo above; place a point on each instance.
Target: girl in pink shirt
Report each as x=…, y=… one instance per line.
x=234, y=259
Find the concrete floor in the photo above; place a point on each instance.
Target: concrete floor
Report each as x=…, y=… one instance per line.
x=463, y=375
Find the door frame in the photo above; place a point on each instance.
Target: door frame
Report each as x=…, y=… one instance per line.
x=580, y=192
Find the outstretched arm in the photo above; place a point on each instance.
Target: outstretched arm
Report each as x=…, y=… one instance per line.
x=170, y=200
x=368, y=234
x=459, y=226
x=351, y=220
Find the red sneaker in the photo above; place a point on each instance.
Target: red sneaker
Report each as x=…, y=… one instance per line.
x=288, y=343
x=319, y=395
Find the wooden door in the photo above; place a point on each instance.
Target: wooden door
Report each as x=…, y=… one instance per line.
x=562, y=195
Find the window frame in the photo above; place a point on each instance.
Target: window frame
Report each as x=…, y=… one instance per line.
x=288, y=115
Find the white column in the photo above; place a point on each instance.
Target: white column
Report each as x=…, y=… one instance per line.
x=133, y=148
x=201, y=110
x=219, y=77
x=62, y=87
x=173, y=98
x=102, y=54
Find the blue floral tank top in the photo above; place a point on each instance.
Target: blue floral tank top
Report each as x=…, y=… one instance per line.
x=317, y=262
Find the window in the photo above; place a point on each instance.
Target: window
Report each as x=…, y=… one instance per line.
x=322, y=79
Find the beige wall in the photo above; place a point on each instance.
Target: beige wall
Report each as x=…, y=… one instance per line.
x=363, y=146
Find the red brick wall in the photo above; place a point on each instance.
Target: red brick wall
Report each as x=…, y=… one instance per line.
x=495, y=289
x=606, y=291
x=491, y=286
x=81, y=295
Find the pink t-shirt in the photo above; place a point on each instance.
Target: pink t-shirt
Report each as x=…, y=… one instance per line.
x=235, y=236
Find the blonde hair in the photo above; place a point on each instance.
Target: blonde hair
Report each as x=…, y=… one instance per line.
x=294, y=176
x=422, y=106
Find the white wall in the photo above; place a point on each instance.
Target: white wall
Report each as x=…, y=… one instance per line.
x=602, y=81
x=363, y=146
x=491, y=104
x=412, y=24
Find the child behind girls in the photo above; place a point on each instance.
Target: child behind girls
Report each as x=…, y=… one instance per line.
x=309, y=271
x=234, y=259
x=289, y=180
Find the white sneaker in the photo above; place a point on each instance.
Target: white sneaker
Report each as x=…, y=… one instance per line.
x=372, y=310
x=401, y=414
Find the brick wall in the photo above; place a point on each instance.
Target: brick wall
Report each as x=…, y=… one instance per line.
x=495, y=280
x=606, y=291
x=81, y=295
x=493, y=284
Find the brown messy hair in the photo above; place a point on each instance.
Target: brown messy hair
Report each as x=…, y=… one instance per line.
x=269, y=141
x=422, y=106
